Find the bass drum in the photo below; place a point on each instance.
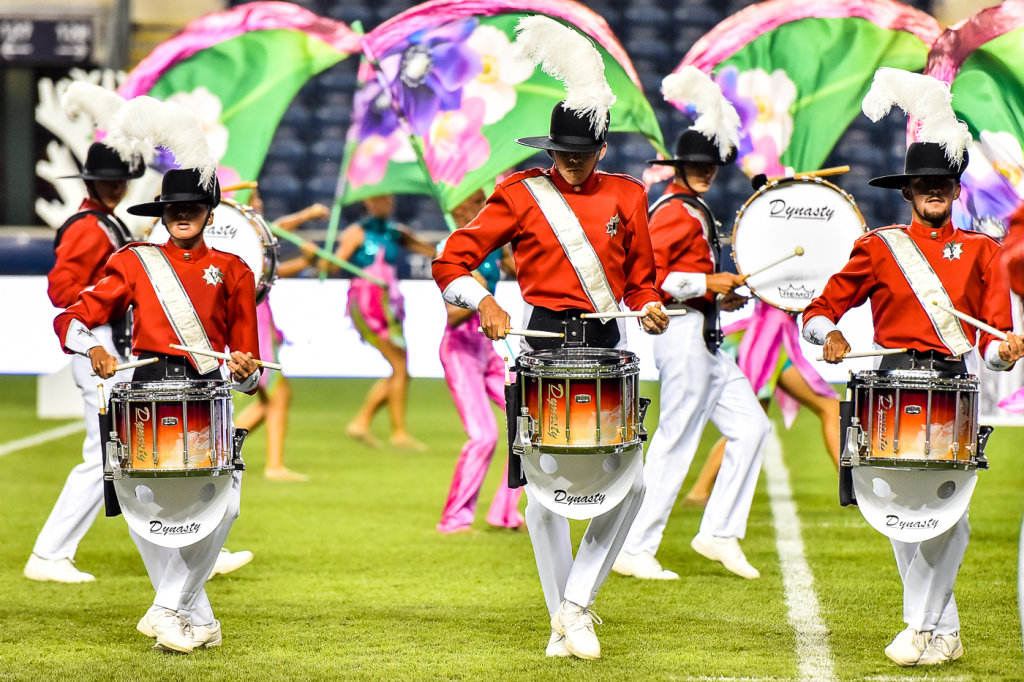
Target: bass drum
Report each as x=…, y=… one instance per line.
x=240, y=230
x=783, y=215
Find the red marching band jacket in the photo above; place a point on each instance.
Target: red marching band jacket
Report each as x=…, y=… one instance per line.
x=82, y=253
x=680, y=243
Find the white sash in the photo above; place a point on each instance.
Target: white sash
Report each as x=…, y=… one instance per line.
x=177, y=305
x=927, y=287
x=573, y=239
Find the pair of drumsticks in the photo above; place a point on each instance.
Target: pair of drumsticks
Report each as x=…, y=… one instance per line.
x=197, y=351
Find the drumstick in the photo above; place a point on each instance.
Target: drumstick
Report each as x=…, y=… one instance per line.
x=821, y=173
x=972, y=321
x=673, y=312
x=868, y=353
x=530, y=332
x=222, y=356
x=102, y=399
x=798, y=251
x=239, y=185
x=129, y=365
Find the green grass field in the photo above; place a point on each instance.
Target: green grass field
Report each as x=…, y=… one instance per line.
x=351, y=581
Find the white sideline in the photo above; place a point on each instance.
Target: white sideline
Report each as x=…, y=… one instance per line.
x=42, y=437
x=814, y=657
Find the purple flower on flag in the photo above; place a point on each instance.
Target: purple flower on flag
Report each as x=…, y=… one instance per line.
x=425, y=73
x=455, y=145
x=990, y=186
x=762, y=100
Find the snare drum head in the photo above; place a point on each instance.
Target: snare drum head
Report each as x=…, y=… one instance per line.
x=913, y=504
x=809, y=213
x=582, y=486
x=174, y=512
x=240, y=230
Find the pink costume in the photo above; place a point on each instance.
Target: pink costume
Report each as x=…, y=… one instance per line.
x=271, y=339
x=474, y=373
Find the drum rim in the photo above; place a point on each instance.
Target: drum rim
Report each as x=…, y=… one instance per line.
x=170, y=385
x=599, y=357
x=912, y=375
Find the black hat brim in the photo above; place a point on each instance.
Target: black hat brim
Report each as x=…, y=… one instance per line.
x=134, y=175
x=900, y=181
x=695, y=158
x=545, y=142
x=155, y=209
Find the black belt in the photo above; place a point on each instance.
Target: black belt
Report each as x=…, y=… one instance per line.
x=924, y=359
x=170, y=367
x=578, y=332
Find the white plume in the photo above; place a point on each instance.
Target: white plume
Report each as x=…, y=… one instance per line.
x=94, y=101
x=145, y=123
x=717, y=119
x=569, y=56
x=926, y=99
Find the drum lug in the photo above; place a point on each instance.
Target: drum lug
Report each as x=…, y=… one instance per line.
x=112, y=464
x=236, y=440
x=641, y=431
x=984, y=432
x=855, y=439
x=523, y=444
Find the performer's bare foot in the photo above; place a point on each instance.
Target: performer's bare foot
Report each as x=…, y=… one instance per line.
x=284, y=474
x=406, y=442
x=362, y=435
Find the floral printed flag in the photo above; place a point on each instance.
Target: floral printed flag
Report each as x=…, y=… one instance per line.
x=450, y=66
x=797, y=70
x=982, y=59
x=239, y=70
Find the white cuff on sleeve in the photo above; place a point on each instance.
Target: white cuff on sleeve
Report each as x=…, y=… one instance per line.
x=466, y=292
x=249, y=384
x=80, y=339
x=817, y=328
x=992, y=359
x=685, y=285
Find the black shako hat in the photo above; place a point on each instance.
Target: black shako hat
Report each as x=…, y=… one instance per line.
x=924, y=159
x=693, y=147
x=180, y=185
x=103, y=163
x=570, y=131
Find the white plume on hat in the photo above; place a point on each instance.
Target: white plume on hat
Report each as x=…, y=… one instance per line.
x=926, y=99
x=144, y=123
x=94, y=101
x=717, y=119
x=571, y=57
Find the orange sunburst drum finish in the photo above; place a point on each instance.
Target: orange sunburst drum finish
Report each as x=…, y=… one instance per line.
x=173, y=427
x=581, y=397
x=917, y=415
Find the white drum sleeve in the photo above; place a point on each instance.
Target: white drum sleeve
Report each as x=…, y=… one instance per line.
x=466, y=292
x=685, y=285
x=817, y=328
x=992, y=359
x=249, y=384
x=80, y=338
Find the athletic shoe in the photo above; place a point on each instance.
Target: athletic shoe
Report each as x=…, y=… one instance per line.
x=230, y=561
x=171, y=630
x=556, y=646
x=576, y=624
x=727, y=551
x=942, y=649
x=144, y=627
x=206, y=636
x=55, y=570
x=643, y=566
x=907, y=647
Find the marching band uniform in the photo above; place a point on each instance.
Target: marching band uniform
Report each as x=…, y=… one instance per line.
x=899, y=269
x=82, y=246
x=220, y=289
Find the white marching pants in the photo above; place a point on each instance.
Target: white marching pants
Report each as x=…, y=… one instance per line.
x=578, y=581
x=697, y=387
x=179, y=575
x=82, y=496
x=928, y=570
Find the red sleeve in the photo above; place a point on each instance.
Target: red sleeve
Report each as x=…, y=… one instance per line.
x=108, y=300
x=1013, y=252
x=639, y=263
x=679, y=244
x=83, y=250
x=467, y=247
x=848, y=288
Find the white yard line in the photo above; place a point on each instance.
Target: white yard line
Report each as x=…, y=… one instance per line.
x=40, y=438
x=814, y=657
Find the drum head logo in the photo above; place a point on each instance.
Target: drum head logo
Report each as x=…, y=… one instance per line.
x=913, y=504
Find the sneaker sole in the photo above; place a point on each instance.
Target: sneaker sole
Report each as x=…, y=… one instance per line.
x=557, y=627
x=38, y=577
x=224, y=571
x=699, y=549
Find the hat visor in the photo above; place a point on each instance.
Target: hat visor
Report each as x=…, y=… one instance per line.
x=899, y=181
x=680, y=160
x=545, y=142
x=155, y=209
x=113, y=178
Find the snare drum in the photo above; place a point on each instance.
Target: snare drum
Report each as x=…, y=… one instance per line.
x=916, y=418
x=172, y=428
x=785, y=214
x=240, y=230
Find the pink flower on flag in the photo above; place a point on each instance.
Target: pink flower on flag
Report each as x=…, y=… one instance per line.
x=455, y=145
x=502, y=71
x=208, y=108
x=370, y=160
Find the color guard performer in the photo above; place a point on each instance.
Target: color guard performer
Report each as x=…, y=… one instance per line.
x=580, y=242
x=902, y=269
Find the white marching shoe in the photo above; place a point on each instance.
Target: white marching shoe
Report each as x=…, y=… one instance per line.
x=576, y=624
x=230, y=561
x=55, y=570
x=643, y=566
x=207, y=636
x=942, y=649
x=907, y=647
x=727, y=551
x=556, y=646
x=172, y=632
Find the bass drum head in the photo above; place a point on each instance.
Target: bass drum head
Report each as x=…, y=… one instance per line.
x=238, y=229
x=581, y=486
x=808, y=213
